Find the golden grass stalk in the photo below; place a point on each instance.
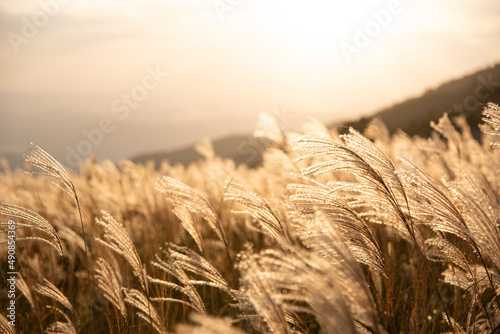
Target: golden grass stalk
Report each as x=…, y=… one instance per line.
x=207, y=325
x=258, y=208
x=117, y=239
x=185, y=198
x=51, y=167
x=110, y=286
x=33, y=220
x=49, y=290
x=5, y=327
x=145, y=310
x=61, y=328
x=172, y=267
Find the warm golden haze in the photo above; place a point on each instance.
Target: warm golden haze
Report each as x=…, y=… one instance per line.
x=391, y=233
x=250, y=166
x=76, y=58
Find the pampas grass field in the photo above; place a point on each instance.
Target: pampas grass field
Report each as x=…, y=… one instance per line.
x=360, y=233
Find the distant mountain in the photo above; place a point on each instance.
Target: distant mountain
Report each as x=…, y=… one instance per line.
x=242, y=149
x=465, y=96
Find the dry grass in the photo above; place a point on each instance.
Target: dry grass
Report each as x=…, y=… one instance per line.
x=364, y=233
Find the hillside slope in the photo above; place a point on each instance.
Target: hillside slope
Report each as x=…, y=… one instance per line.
x=465, y=96
x=241, y=149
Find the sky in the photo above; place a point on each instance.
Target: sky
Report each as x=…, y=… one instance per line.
x=132, y=76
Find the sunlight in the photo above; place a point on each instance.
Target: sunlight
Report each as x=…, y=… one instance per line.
x=300, y=31
x=313, y=30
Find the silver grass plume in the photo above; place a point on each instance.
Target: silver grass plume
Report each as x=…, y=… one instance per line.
x=206, y=148
x=435, y=206
x=260, y=291
x=173, y=268
x=430, y=203
x=178, y=261
x=51, y=167
x=185, y=198
x=314, y=127
x=374, y=157
x=73, y=238
x=479, y=214
x=110, y=286
x=446, y=128
x=23, y=287
x=383, y=187
x=458, y=278
x=346, y=271
x=189, y=225
x=207, y=325
x=356, y=233
x=463, y=150
x=258, y=208
x=268, y=127
x=5, y=327
x=25, y=290
x=146, y=311
x=31, y=220
x=277, y=283
x=51, y=291
x=491, y=126
x=477, y=275
x=481, y=325
x=360, y=329
x=61, y=328
x=455, y=325
x=441, y=250
x=378, y=131
x=432, y=206
x=390, y=184
x=327, y=287
x=189, y=261
x=487, y=319
x=117, y=239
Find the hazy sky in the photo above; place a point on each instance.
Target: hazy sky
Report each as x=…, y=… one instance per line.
x=71, y=64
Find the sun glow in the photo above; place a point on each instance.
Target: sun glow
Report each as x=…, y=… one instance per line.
x=305, y=30
x=298, y=34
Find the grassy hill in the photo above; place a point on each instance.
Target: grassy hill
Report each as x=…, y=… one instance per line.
x=465, y=96
x=242, y=149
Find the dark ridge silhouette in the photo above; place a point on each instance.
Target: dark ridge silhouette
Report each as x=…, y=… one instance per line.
x=242, y=149
x=465, y=96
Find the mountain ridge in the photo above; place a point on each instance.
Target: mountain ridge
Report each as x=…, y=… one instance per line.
x=462, y=96
x=243, y=149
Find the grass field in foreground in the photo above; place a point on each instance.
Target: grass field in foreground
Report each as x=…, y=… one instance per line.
x=363, y=233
